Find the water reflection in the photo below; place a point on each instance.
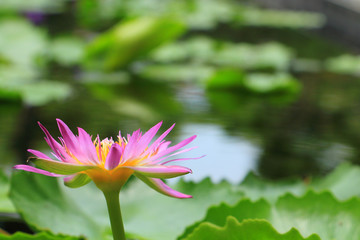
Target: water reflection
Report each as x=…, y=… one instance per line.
x=275, y=136
x=227, y=157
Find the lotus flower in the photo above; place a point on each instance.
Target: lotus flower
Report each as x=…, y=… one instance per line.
x=110, y=163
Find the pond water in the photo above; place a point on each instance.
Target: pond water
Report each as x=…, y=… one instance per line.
x=238, y=132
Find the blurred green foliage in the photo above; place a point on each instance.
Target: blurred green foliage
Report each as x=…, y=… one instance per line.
x=300, y=208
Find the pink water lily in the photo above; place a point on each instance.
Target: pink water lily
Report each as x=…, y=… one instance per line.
x=109, y=163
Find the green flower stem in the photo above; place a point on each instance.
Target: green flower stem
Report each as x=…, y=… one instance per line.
x=113, y=204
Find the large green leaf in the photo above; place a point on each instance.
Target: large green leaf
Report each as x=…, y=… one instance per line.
x=129, y=40
x=67, y=50
x=340, y=182
x=319, y=213
x=40, y=236
x=246, y=230
x=346, y=63
x=21, y=43
x=45, y=205
x=5, y=203
x=83, y=211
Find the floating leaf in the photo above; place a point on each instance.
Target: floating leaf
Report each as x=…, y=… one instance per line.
x=246, y=230
x=67, y=50
x=5, y=203
x=313, y=213
x=340, y=183
x=348, y=64
x=130, y=40
x=199, y=49
x=270, y=83
x=83, y=211
x=44, y=206
x=21, y=43
x=247, y=56
x=39, y=236
x=33, y=5
x=280, y=18
x=39, y=93
x=177, y=72
x=226, y=79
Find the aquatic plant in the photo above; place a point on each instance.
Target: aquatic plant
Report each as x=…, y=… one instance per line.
x=110, y=163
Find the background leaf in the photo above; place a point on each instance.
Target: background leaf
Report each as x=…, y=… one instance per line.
x=318, y=213
x=5, y=203
x=44, y=206
x=246, y=230
x=83, y=211
x=40, y=236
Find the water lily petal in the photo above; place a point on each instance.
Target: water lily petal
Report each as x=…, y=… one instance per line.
x=60, y=167
x=70, y=140
x=36, y=170
x=146, y=138
x=114, y=156
x=39, y=154
x=161, y=187
x=54, y=145
x=171, y=149
x=176, y=153
x=131, y=146
x=160, y=171
x=183, y=159
x=87, y=146
x=159, y=140
x=77, y=180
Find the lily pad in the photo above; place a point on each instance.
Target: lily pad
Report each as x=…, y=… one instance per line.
x=21, y=43
x=246, y=230
x=45, y=205
x=271, y=83
x=271, y=55
x=5, y=203
x=67, y=50
x=340, y=182
x=348, y=64
x=313, y=213
x=130, y=40
x=177, y=72
x=40, y=236
x=226, y=79
x=280, y=18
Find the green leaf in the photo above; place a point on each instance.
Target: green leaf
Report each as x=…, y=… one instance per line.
x=313, y=213
x=5, y=203
x=39, y=236
x=271, y=55
x=42, y=92
x=270, y=83
x=130, y=40
x=279, y=18
x=226, y=79
x=340, y=182
x=36, y=6
x=20, y=38
x=67, y=50
x=246, y=230
x=177, y=72
x=44, y=206
x=82, y=211
x=346, y=63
